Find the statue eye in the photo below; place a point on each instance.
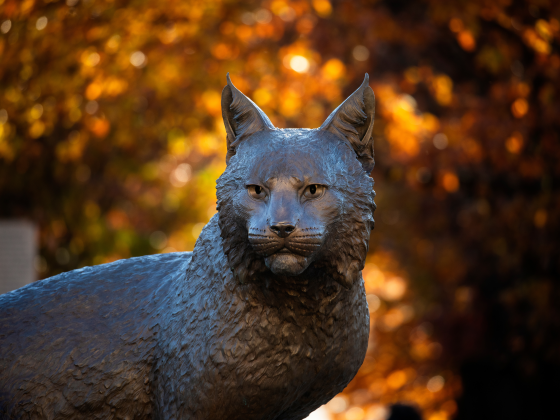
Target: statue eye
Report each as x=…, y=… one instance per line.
x=256, y=191
x=314, y=191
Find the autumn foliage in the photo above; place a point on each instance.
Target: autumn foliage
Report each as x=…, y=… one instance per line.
x=111, y=139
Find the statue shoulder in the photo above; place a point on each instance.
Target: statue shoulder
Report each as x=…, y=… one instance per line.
x=114, y=281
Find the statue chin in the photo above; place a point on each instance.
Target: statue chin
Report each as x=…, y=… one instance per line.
x=286, y=264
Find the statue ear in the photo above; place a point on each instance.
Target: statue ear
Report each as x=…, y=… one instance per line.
x=353, y=121
x=242, y=117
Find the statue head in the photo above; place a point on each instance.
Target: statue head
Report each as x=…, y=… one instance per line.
x=295, y=200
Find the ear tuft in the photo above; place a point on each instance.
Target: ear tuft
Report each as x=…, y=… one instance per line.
x=242, y=117
x=353, y=121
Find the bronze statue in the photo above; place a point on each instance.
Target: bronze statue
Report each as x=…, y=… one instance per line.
x=265, y=319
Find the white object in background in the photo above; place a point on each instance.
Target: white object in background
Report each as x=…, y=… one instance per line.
x=320, y=414
x=18, y=249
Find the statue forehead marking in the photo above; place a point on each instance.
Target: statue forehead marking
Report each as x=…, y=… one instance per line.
x=296, y=155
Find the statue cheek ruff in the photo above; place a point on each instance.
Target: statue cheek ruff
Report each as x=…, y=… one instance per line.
x=344, y=252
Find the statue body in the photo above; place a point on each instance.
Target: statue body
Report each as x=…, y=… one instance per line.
x=265, y=319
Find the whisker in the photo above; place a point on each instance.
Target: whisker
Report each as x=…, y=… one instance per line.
x=265, y=245
x=306, y=251
x=268, y=248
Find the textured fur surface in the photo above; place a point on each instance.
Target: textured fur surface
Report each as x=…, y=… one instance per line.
x=216, y=333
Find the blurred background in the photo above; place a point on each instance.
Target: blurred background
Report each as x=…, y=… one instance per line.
x=111, y=140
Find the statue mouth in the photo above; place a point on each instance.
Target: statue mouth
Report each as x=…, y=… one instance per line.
x=268, y=245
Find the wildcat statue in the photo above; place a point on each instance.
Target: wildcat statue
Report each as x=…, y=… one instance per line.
x=266, y=319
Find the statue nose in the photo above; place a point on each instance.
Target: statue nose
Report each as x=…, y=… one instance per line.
x=282, y=229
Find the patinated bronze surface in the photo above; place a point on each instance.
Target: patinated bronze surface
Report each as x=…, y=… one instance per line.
x=265, y=319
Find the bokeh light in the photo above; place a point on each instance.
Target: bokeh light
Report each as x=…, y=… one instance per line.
x=41, y=23
x=299, y=63
x=138, y=59
x=360, y=53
